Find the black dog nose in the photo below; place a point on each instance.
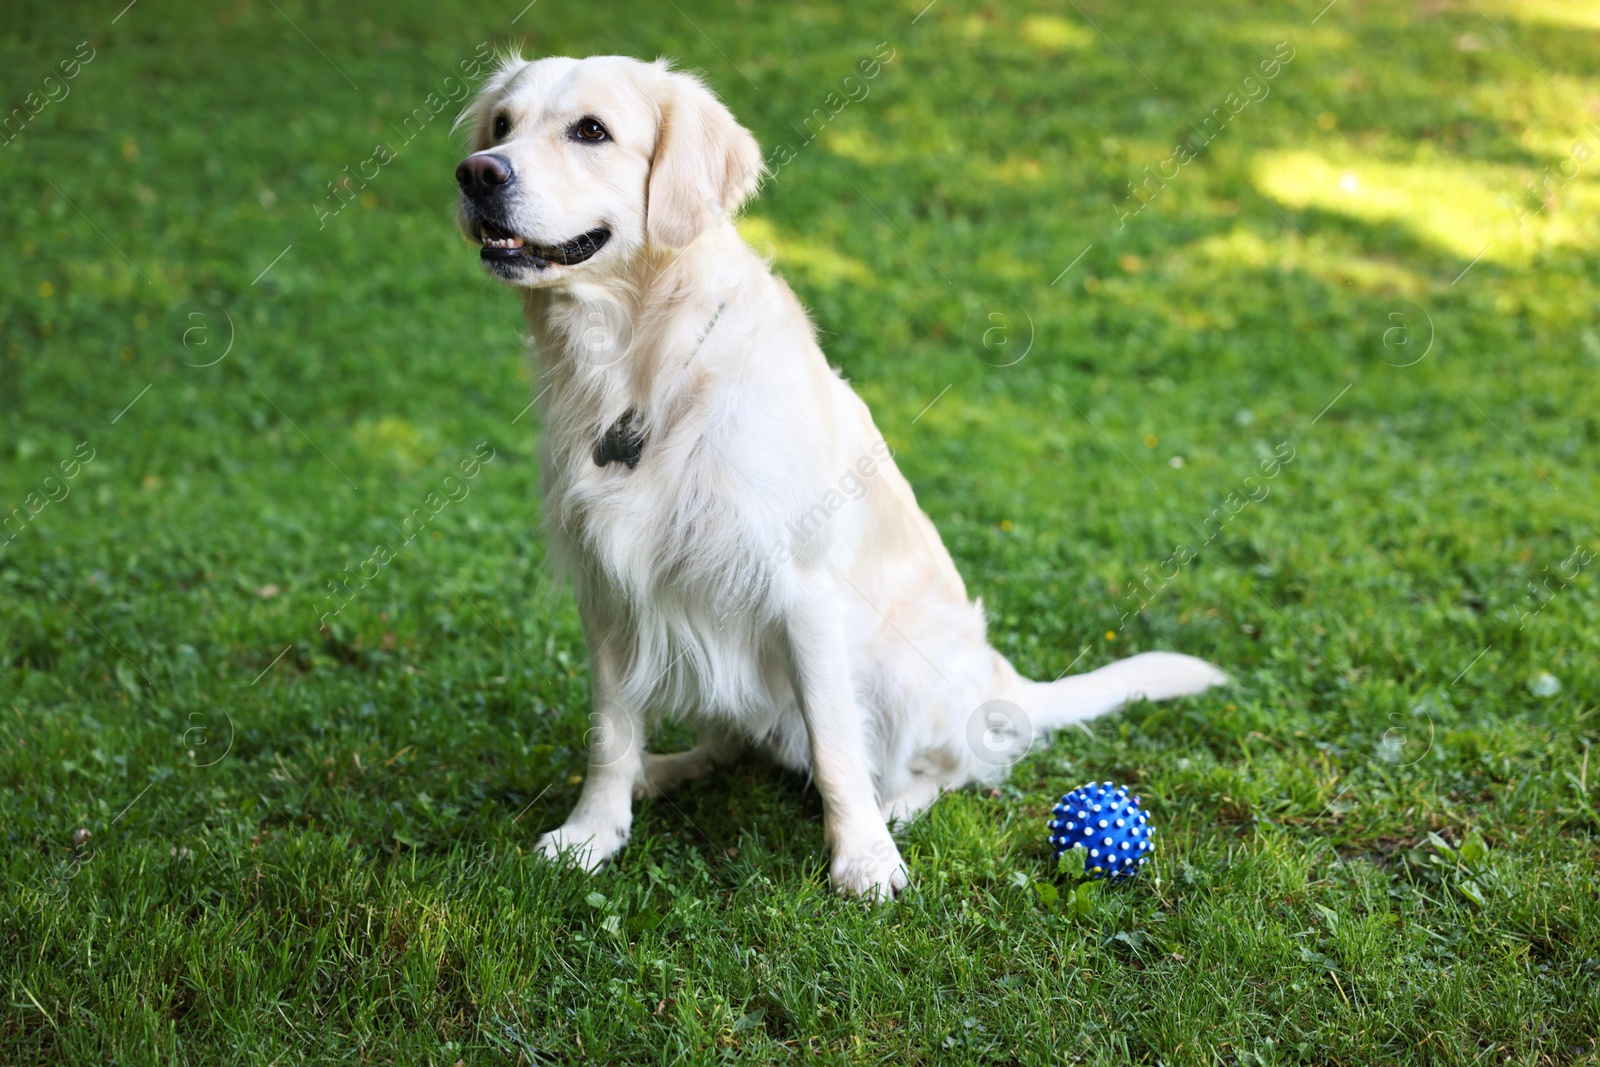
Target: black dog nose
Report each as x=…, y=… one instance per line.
x=481, y=175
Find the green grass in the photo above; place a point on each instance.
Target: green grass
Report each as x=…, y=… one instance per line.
x=313, y=846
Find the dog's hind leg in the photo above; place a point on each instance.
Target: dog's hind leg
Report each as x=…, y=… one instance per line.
x=665, y=771
x=912, y=800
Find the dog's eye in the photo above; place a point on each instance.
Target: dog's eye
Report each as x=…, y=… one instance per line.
x=502, y=126
x=589, y=129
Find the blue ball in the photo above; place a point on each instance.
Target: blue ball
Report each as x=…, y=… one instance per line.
x=1109, y=824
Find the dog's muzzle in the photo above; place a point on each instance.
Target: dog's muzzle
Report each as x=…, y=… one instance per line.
x=483, y=179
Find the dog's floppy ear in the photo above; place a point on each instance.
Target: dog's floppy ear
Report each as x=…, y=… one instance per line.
x=705, y=164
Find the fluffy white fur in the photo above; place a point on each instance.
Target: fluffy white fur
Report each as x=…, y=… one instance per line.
x=765, y=573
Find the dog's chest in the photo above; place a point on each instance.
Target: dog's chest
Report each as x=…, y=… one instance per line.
x=666, y=562
x=650, y=510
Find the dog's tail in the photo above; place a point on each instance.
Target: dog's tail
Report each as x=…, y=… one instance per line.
x=1149, y=676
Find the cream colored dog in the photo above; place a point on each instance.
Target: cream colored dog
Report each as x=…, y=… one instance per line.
x=745, y=555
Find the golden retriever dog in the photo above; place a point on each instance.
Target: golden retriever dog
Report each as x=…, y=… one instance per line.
x=745, y=555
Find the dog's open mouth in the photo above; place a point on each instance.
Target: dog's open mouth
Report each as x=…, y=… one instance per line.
x=500, y=246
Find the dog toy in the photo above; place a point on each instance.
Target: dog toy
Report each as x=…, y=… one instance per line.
x=1109, y=824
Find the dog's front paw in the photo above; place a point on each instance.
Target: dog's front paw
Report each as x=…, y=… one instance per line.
x=584, y=847
x=873, y=871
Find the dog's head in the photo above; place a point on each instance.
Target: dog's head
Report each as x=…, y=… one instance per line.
x=578, y=165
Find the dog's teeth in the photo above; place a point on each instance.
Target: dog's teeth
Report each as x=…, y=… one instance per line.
x=502, y=242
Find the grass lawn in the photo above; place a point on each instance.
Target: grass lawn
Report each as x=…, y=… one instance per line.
x=232, y=835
